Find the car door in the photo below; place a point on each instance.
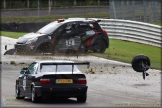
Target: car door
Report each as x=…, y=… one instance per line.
x=67, y=37
x=27, y=80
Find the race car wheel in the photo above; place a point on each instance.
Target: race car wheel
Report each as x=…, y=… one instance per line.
x=44, y=48
x=82, y=98
x=137, y=63
x=34, y=97
x=99, y=46
x=17, y=91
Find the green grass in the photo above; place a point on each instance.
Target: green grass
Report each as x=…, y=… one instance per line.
x=12, y=34
x=157, y=23
x=54, y=17
x=119, y=50
x=125, y=51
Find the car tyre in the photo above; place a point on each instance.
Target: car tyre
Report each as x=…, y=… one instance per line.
x=44, y=48
x=100, y=46
x=34, y=97
x=82, y=98
x=17, y=91
x=136, y=62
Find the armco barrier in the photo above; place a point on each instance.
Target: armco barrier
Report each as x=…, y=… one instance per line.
x=133, y=31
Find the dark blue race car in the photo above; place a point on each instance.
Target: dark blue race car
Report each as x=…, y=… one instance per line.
x=52, y=79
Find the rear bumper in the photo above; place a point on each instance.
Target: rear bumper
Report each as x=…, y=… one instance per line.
x=61, y=91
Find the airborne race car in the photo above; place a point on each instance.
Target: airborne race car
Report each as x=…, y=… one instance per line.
x=73, y=34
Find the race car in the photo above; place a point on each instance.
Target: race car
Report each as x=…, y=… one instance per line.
x=73, y=34
x=52, y=79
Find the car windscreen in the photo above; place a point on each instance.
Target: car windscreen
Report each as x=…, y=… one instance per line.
x=49, y=28
x=58, y=68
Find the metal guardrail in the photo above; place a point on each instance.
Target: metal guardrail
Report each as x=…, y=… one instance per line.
x=133, y=31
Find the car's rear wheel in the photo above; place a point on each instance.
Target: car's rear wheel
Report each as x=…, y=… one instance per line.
x=17, y=92
x=82, y=98
x=99, y=46
x=34, y=97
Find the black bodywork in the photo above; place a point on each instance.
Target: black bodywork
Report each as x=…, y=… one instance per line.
x=31, y=77
x=64, y=35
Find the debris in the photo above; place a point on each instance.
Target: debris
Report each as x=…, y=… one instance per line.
x=12, y=63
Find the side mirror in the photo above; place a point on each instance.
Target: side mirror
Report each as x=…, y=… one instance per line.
x=22, y=72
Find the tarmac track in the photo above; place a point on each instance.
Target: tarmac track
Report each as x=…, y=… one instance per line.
x=115, y=84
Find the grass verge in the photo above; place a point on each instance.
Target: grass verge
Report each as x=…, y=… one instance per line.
x=14, y=35
x=119, y=50
x=125, y=51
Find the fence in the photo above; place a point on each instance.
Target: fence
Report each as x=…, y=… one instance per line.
x=133, y=31
x=137, y=10
x=15, y=4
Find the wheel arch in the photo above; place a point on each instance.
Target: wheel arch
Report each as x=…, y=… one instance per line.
x=42, y=45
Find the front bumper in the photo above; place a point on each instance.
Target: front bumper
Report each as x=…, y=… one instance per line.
x=61, y=91
x=24, y=48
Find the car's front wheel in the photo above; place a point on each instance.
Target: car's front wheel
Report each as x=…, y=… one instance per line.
x=82, y=98
x=17, y=92
x=34, y=97
x=44, y=48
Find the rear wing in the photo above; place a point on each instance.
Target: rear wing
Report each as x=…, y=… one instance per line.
x=82, y=63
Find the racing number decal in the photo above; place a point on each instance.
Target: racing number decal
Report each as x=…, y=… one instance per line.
x=24, y=83
x=70, y=42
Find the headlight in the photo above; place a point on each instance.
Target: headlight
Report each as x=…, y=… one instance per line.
x=31, y=40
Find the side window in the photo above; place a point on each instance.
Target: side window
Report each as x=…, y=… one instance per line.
x=85, y=27
x=32, y=68
x=70, y=27
x=69, y=30
x=58, y=32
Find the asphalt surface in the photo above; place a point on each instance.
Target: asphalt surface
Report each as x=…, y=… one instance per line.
x=110, y=83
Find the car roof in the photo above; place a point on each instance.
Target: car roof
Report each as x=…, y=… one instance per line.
x=78, y=19
x=54, y=61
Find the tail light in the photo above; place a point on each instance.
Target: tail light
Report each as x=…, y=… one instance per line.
x=82, y=81
x=45, y=81
x=105, y=32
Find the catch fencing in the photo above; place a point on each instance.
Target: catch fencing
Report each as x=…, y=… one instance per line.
x=136, y=10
